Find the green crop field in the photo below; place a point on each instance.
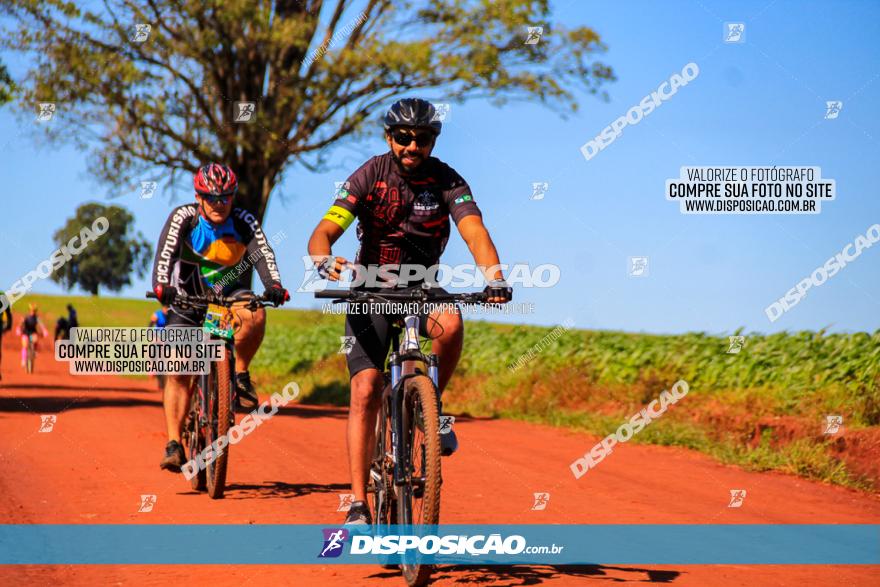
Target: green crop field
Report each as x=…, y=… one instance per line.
x=762, y=408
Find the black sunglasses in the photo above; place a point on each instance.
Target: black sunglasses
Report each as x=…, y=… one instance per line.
x=404, y=138
x=218, y=199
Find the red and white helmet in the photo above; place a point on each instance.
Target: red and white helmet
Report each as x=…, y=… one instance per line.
x=215, y=179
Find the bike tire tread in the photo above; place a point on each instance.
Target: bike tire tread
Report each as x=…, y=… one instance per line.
x=223, y=382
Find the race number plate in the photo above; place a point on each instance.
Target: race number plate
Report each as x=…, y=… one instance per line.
x=218, y=321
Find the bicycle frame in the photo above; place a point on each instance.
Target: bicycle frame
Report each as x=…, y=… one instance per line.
x=394, y=485
x=403, y=364
x=206, y=426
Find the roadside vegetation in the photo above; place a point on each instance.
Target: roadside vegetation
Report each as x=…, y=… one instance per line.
x=763, y=408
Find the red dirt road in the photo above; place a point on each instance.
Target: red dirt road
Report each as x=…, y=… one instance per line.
x=104, y=449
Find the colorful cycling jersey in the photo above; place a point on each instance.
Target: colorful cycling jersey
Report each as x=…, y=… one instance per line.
x=196, y=255
x=402, y=219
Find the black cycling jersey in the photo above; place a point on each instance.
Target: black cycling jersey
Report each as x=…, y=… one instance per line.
x=402, y=218
x=29, y=326
x=195, y=255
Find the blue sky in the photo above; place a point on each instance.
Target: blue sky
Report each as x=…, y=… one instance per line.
x=758, y=103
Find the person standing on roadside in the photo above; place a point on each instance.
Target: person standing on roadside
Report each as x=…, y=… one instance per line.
x=72, y=320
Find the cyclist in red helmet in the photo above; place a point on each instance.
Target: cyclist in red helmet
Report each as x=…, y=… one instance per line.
x=207, y=246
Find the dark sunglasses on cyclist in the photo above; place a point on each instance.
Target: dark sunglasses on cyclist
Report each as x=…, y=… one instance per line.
x=218, y=199
x=404, y=138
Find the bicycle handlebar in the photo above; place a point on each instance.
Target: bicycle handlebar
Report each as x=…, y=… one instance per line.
x=415, y=295
x=253, y=301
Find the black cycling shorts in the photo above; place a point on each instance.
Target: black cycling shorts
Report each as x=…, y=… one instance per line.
x=372, y=338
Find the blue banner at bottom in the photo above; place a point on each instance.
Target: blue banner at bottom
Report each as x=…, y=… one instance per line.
x=669, y=544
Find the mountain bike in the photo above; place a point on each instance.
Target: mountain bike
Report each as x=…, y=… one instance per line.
x=405, y=476
x=211, y=412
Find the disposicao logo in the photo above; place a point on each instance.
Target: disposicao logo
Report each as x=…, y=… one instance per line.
x=334, y=539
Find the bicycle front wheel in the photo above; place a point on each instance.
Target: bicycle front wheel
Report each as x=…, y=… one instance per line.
x=419, y=498
x=195, y=434
x=219, y=421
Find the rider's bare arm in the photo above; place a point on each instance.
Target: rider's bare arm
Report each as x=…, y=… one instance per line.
x=321, y=242
x=338, y=218
x=474, y=233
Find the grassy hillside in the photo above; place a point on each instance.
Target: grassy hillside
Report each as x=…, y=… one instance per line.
x=763, y=407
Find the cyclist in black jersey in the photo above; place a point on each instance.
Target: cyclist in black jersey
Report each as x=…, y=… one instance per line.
x=62, y=329
x=4, y=326
x=72, y=319
x=207, y=246
x=63, y=325
x=403, y=201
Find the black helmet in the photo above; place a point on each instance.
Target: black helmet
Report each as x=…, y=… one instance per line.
x=413, y=113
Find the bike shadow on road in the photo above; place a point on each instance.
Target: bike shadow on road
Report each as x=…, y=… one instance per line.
x=60, y=387
x=56, y=404
x=304, y=410
x=536, y=574
x=337, y=393
x=276, y=489
x=313, y=412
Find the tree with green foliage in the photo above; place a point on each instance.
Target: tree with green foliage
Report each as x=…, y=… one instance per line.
x=165, y=96
x=109, y=259
x=6, y=86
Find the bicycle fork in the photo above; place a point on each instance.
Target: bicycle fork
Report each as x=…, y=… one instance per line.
x=396, y=399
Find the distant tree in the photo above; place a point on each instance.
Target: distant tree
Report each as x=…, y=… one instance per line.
x=108, y=260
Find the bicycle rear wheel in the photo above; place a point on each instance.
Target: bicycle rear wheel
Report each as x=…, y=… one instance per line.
x=219, y=420
x=418, y=501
